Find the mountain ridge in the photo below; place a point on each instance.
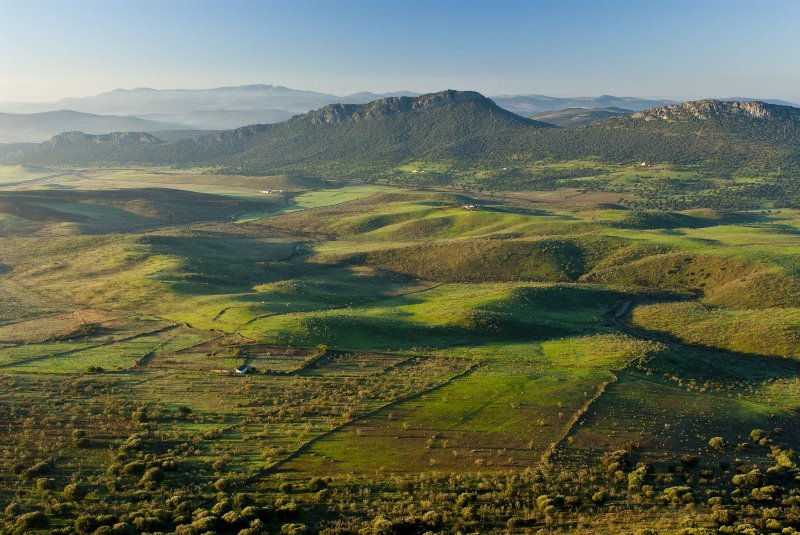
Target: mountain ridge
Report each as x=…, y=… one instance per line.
x=463, y=130
x=710, y=108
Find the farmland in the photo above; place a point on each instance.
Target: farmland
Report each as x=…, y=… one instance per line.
x=603, y=354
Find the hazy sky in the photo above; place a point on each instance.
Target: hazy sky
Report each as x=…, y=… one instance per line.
x=671, y=48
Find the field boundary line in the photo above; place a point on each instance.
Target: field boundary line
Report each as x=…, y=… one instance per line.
x=307, y=445
x=576, y=418
x=78, y=350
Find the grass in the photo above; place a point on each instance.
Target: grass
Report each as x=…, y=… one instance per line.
x=405, y=347
x=774, y=332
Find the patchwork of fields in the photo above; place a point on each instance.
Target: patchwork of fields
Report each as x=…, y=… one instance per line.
x=411, y=351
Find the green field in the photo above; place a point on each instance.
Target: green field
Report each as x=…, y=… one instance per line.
x=541, y=361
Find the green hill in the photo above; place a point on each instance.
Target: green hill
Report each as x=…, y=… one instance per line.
x=461, y=130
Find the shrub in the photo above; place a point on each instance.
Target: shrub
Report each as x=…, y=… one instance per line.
x=721, y=516
x=678, y=495
x=45, y=483
x=753, y=478
x=298, y=529
x=123, y=528
x=223, y=484
x=37, y=469
x=615, y=460
x=242, y=500
x=718, y=443
x=764, y=494
x=599, y=497
x=636, y=479
x=316, y=484
x=75, y=492
x=152, y=476
x=33, y=520
x=431, y=519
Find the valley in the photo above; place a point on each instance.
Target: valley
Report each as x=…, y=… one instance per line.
x=595, y=353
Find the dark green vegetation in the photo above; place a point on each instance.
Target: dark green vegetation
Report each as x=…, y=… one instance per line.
x=462, y=138
x=579, y=358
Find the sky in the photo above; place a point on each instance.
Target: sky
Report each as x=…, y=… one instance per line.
x=50, y=49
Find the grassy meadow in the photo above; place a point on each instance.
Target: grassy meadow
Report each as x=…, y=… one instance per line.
x=572, y=358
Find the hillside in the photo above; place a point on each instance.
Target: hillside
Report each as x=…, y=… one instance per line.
x=747, y=138
x=448, y=125
x=462, y=131
x=578, y=116
x=34, y=127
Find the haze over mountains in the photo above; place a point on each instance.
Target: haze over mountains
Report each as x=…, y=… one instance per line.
x=152, y=110
x=458, y=129
x=569, y=117
x=34, y=127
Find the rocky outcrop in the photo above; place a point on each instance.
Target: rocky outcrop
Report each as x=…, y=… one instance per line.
x=338, y=113
x=704, y=110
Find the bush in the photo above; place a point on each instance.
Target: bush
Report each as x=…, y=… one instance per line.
x=45, y=483
x=431, y=519
x=295, y=529
x=223, y=484
x=152, y=476
x=242, y=500
x=599, y=497
x=764, y=494
x=316, y=484
x=615, y=460
x=678, y=495
x=75, y=492
x=37, y=469
x=28, y=521
x=718, y=443
x=753, y=478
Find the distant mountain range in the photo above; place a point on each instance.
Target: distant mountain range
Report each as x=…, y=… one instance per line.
x=33, y=127
x=527, y=105
x=222, y=119
x=225, y=108
x=463, y=130
x=569, y=117
x=144, y=101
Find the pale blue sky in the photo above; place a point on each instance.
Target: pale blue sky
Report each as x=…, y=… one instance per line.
x=669, y=48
